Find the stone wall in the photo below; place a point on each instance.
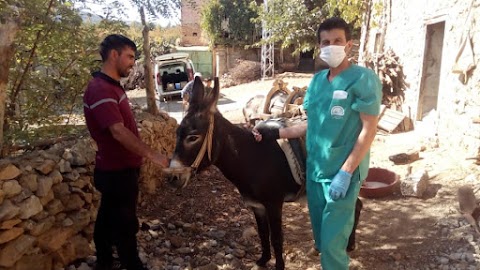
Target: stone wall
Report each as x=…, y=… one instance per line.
x=406, y=34
x=47, y=207
x=48, y=203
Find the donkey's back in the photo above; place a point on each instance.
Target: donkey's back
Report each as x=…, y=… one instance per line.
x=259, y=170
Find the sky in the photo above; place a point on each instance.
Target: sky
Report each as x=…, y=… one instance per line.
x=131, y=13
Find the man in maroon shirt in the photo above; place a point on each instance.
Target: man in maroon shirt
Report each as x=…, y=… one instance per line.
x=120, y=150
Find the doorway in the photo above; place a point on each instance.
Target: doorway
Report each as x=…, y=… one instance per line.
x=432, y=63
x=307, y=62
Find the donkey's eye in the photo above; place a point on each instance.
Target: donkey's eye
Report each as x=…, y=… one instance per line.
x=192, y=138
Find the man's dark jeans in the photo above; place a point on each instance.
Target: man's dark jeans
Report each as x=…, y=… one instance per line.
x=117, y=223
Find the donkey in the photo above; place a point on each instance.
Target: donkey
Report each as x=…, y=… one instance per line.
x=259, y=170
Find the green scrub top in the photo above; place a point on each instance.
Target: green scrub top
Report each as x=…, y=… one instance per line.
x=334, y=122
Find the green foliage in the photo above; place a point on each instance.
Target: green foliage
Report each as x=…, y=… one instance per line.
x=350, y=10
x=162, y=39
x=54, y=55
x=158, y=8
x=377, y=14
x=294, y=23
x=228, y=22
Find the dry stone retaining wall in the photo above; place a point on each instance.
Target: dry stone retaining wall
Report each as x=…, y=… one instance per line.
x=47, y=207
x=48, y=203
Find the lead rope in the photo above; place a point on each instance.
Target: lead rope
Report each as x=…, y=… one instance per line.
x=206, y=146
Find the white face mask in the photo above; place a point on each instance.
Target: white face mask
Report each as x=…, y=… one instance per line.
x=333, y=55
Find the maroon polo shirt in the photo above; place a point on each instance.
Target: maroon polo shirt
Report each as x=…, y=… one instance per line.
x=104, y=104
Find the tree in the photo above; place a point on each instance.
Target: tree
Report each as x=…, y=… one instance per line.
x=350, y=10
x=292, y=23
x=8, y=29
x=162, y=39
x=228, y=22
x=49, y=64
x=295, y=22
x=164, y=8
x=146, y=9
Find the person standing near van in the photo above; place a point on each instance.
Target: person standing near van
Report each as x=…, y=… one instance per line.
x=111, y=124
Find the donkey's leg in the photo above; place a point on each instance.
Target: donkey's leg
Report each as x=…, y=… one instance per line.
x=274, y=213
x=264, y=234
x=351, y=240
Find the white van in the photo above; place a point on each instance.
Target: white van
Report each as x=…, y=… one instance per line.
x=172, y=72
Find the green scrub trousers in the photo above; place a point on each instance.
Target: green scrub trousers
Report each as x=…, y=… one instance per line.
x=336, y=218
x=334, y=124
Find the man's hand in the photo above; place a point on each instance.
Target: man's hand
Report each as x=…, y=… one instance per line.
x=159, y=159
x=340, y=183
x=264, y=133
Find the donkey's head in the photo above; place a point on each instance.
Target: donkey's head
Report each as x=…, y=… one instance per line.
x=193, y=150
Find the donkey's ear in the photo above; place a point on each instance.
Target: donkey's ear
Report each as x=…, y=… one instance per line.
x=213, y=95
x=197, y=92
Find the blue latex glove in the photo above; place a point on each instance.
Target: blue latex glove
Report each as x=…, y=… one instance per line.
x=340, y=183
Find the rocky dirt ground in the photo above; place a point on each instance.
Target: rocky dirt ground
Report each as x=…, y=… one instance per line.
x=207, y=225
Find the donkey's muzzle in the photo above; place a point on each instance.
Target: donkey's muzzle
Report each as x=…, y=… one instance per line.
x=178, y=177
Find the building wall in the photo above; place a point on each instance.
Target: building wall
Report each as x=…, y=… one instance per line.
x=226, y=57
x=192, y=34
x=458, y=102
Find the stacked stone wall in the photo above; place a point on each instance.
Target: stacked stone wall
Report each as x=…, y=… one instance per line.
x=48, y=202
x=47, y=207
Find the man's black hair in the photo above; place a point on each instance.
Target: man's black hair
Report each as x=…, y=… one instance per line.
x=115, y=42
x=334, y=23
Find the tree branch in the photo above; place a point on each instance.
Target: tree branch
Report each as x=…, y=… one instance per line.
x=14, y=95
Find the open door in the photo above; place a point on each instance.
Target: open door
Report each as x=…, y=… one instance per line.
x=432, y=63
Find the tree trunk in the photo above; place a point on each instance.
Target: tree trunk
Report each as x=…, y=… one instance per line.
x=365, y=29
x=149, y=83
x=38, y=38
x=385, y=20
x=8, y=30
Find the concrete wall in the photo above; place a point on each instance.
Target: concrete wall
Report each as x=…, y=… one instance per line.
x=192, y=34
x=407, y=34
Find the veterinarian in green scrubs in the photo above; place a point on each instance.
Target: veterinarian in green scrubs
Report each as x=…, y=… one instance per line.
x=342, y=104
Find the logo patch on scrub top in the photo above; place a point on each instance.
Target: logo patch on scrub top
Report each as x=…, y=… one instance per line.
x=337, y=112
